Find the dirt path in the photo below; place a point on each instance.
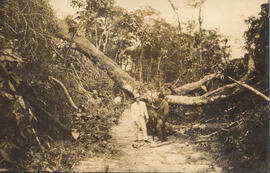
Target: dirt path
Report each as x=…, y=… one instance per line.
x=176, y=155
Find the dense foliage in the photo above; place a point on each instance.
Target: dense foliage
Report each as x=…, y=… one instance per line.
x=41, y=131
x=25, y=29
x=38, y=127
x=249, y=137
x=243, y=118
x=148, y=47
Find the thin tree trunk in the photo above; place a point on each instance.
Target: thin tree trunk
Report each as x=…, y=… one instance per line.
x=126, y=65
x=140, y=65
x=100, y=41
x=177, y=16
x=200, y=30
x=106, y=41
x=107, y=32
x=149, y=74
x=158, y=68
x=116, y=56
x=96, y=35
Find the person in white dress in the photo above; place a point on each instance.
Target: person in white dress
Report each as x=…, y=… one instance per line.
x=140, y=117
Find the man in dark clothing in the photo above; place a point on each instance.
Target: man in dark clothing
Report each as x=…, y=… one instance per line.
x=152, y=123
x=163, y=112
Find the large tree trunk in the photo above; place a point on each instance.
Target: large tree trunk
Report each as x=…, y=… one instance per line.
x=130, y=85
x=213, y=96
x=218, y=94
x=195, y=85
x=83, y=45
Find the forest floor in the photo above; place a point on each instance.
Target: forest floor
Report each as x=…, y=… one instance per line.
x=178, y=154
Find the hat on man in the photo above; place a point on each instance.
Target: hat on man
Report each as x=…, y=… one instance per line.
x=136, y=96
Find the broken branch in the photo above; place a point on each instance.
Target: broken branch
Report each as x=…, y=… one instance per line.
x=70, y=101
x=251, y=89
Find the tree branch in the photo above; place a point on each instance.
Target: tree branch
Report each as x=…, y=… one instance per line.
x=194, y=85
x=52, y=119
x=251, y=89
x=70, y=101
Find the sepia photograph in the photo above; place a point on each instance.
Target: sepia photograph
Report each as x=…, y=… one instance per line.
x=134, y=86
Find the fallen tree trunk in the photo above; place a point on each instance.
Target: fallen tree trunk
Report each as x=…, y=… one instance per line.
x=215, y=95
x=83, y=45
x=130, y=85
x=194, y=85
x=195, y=101
x=212, y=96
x=209, y=97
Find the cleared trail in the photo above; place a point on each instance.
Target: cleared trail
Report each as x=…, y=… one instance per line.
x=175, y=155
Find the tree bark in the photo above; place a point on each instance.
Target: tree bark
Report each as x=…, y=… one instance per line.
x=96, y=35
x=251, y=89
x=150, y=66
x=199, y=100
x=83, y=45
x=70, y=101
x=215, y=95
x=107, y=33
x=158, y=68
x=130, y=85
x=140, y=65
x=194, y=85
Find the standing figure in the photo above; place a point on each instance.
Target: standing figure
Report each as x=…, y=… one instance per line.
x=140, y=117
x=163, y=112
x=152, y=123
